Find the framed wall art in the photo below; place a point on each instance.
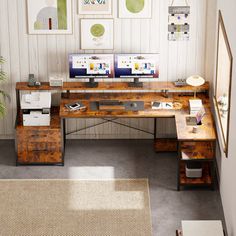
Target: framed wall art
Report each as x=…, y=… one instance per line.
x=178, y=26
x=97, y=34
x=95, y=7
x=135, y=8
x=223, y=81
x=49, y=17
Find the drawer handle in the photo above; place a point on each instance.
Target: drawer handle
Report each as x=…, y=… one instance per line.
x=36, y=136
x=37, y=150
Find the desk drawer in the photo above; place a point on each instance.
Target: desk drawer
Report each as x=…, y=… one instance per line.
x=39, y=135
x=40, y=146
x=166, y=145
x=37, y=145
x=39, y=157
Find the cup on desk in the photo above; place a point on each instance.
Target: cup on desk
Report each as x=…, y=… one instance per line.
x=195, y=129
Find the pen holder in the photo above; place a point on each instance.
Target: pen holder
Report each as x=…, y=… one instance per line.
x=199, y=123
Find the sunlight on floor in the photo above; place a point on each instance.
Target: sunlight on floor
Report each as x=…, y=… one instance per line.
x=92, y=172
x=105, y=196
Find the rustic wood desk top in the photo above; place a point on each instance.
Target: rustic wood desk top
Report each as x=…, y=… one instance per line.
x=73, y=86
x=206, y=131
x=184, y=132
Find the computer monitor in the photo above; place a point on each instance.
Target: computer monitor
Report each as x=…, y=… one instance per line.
x=136, y=66
x=91, y=66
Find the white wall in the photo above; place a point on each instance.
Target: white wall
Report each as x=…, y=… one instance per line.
x=227, y=165
x=44, y=54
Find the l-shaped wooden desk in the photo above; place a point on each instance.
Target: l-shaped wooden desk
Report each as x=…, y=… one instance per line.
x=198, y=146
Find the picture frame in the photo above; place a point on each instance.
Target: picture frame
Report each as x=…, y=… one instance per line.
x=97, y=34
x=49, y=17
x=95, y=7
x=135, y=9
x=222, y=94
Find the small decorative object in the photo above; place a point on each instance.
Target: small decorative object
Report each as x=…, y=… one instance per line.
x=195, y=128
x=56, y=81
x=178, y=27
x=49, y=17
x=180, y=82
x=95, y=7
x=96, y=34
x=195, y=81
x=135, y=8
x=3, y=95
x=223, y=104
x=222, y=94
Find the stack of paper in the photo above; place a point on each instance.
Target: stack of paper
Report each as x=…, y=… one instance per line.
x=195, y=105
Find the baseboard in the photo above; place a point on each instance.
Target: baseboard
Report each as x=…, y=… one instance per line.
x=109, y=136
x=6, y=136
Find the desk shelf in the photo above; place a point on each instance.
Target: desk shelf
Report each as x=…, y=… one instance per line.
x=73, y=86
x=201, y=151
x=166, y=145
x=206, y=178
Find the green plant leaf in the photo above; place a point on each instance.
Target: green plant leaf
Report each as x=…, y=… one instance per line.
x=3, y=75
x=2, y=110
x=2, y=60
x=5, y=95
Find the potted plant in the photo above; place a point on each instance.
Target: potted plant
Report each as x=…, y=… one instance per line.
x=3, y=95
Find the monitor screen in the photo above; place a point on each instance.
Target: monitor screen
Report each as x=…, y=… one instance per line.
x=91, y=65
x=136, y=66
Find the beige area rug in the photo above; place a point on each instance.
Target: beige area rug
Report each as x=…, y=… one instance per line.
x=74, y=207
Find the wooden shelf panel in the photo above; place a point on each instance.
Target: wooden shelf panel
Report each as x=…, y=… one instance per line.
x=197, y=150
x=44, y=86
x=147, y=98
x=112, y=86
x=205, y=180
x=205, y=132
x=165, y=145
x=55, y=122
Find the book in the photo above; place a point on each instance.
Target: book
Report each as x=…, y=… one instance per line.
x=195, y=105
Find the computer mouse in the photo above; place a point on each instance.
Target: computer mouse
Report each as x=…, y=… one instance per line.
x=134, y=104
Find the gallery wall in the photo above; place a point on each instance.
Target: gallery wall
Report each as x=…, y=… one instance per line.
x=43, y=55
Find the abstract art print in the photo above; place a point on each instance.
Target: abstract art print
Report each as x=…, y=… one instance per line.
x=97, y=34
x=49, y=17
x=96, y=7
x=135, y=8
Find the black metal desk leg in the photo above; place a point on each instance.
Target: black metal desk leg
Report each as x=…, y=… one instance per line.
x=155, y=128
x=178, y=166
x=64, y=130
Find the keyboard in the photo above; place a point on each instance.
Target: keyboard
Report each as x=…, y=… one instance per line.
x=111, y=105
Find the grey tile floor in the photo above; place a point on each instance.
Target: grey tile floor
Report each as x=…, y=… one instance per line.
x=105, y=159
